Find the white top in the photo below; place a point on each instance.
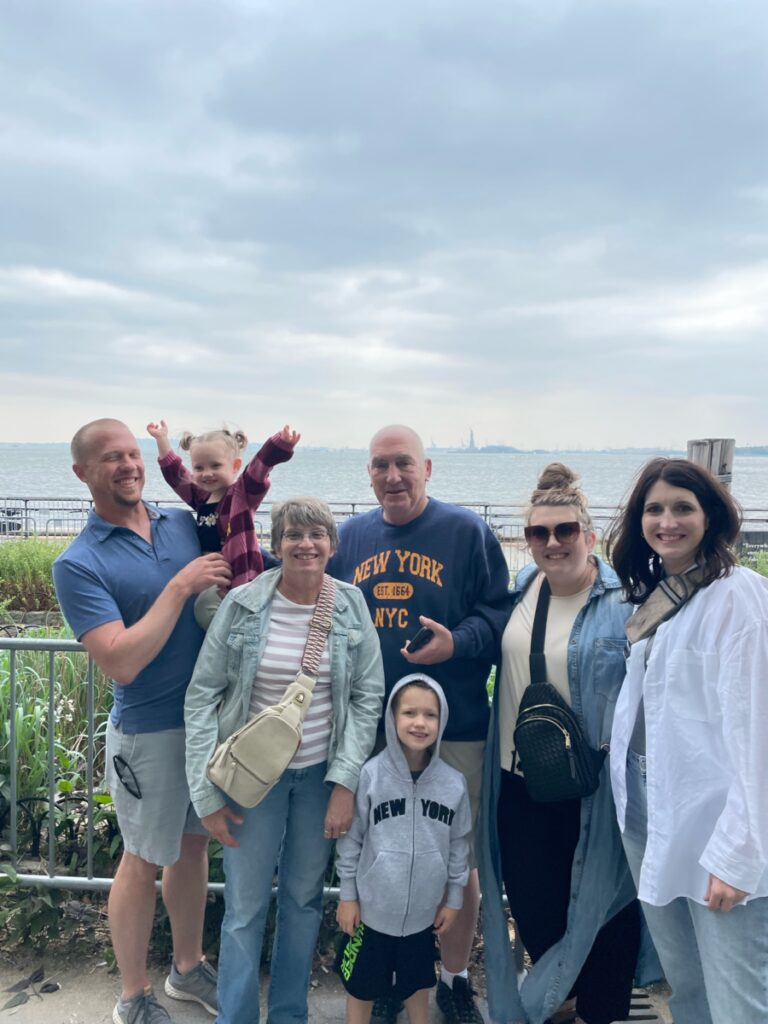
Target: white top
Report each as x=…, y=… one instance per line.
x=515, y=655
x=706, y=712
x=281, y=660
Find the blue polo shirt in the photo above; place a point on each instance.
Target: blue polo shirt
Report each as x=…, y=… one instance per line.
x=108, y=573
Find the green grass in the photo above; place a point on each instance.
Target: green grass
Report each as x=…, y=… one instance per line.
x=26, y=582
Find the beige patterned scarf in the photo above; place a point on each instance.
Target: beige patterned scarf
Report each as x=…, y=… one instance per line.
x=664, y=601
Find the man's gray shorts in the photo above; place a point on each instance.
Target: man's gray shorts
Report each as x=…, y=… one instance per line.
x=152, y=825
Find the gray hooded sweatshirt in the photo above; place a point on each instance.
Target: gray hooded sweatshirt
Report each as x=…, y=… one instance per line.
x=406, y=851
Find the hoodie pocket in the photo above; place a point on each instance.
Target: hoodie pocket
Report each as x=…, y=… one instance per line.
x=401, y=882
x=430, y=875
x=386, y=881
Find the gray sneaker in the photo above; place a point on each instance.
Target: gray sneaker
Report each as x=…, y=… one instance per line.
x=142, y=1009
x=196, y=986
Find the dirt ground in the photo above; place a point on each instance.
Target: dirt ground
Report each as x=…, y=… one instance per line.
x=88, y=992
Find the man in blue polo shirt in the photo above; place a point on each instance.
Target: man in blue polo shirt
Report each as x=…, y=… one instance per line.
x=126, y=585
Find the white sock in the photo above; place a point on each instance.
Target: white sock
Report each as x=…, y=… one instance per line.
x=448, y=976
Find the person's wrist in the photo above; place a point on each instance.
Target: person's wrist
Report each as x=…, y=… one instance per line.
x=180, y=588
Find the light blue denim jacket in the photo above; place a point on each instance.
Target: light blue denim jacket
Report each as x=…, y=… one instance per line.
x=601, y=884
x=219, y=693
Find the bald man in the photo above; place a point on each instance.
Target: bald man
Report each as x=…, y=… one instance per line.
x=126, y=586
x=421, y=562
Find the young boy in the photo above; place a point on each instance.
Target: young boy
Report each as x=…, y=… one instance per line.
x=403, y=865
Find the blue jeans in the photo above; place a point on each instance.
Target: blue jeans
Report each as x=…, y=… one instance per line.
x=285, y=829
x=716, y=963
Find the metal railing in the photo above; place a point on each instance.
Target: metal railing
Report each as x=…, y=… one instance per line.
x=51, y=517
x=54, y=878
x=64, y=517
x=15, y=646
x=54, y=518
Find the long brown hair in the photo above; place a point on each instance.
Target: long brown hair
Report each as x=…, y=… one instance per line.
x=636, y=563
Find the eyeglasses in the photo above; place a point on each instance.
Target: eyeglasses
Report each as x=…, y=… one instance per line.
x=565, y=533
x=126, y=776
x=316, y=534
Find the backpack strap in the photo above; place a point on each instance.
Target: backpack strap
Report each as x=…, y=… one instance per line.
x=536, y=661
x=319, y=628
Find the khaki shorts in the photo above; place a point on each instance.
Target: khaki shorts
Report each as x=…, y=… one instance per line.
x=467, y=756
x=151, y=825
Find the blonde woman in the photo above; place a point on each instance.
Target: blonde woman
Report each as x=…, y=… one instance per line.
x=562, y=864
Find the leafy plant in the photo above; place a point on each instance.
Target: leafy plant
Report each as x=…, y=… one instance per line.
x=35, y=916
x=758, y=561
x=31, y=718
x=26, y=581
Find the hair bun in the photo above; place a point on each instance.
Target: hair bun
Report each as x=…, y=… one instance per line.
x=556, y=477
x=557, y=486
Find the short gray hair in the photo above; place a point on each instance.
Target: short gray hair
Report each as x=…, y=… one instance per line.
x=305, y=512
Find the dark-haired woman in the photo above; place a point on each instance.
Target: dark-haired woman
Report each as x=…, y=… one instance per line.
x=562, y=864
x=689, y=750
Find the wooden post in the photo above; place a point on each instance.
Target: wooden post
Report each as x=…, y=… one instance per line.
x=716, y=455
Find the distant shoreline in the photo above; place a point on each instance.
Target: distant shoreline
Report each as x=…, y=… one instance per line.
x=488, y=449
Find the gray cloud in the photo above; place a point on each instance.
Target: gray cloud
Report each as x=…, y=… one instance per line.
x=547, y=220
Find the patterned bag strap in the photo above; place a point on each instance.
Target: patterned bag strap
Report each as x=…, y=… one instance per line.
x=319, y=628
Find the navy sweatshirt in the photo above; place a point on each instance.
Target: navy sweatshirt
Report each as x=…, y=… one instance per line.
x=445, y=564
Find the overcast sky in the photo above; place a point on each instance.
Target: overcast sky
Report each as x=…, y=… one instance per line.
x=544, y=220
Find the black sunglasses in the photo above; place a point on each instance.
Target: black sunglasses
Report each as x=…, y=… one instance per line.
x=565, y=533
x=126, y=776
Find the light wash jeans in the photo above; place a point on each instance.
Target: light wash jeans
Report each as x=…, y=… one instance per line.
x=716, y=963
x=286, y=829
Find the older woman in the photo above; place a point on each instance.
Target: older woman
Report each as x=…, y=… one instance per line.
x=565, y=874
x=689, y=751
x=251, y=653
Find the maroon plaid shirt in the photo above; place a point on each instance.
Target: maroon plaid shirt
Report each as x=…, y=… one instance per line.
x=234, y=513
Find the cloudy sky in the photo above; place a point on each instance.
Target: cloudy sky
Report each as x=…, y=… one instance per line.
x=544, y=220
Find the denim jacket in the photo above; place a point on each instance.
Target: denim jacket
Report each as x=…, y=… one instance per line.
x=601, y=884
x=219, y=693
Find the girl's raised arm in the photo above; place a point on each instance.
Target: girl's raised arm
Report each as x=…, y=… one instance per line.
x=160, y=433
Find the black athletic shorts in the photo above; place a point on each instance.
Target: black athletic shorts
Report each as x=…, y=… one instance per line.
x=372, y=964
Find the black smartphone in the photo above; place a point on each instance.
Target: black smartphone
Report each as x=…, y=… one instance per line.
x=420, y=639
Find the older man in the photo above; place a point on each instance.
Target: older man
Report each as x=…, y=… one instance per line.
x=421, y=562
x=125, y=585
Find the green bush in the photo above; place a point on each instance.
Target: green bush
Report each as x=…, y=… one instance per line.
x=26, y=581
x=758, y=561
x=70, y=703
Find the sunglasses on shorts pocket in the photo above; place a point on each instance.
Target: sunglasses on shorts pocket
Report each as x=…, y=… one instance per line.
x=126, y=776
x=565, y=533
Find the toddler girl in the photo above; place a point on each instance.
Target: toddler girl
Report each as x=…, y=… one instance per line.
x=224, y=502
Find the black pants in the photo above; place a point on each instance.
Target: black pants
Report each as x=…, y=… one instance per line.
x=538, y=842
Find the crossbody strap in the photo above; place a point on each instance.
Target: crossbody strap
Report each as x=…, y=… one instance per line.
x=319, y=628
x=537, y=662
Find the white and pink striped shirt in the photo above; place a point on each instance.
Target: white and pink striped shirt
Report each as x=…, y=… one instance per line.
x=281, y=660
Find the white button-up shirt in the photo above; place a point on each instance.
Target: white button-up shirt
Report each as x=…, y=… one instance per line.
x=705, y=692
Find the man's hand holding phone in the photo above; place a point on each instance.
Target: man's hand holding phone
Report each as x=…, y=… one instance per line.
x=430, y=645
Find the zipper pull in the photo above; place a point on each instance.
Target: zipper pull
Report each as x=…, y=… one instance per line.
x=571, y=759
